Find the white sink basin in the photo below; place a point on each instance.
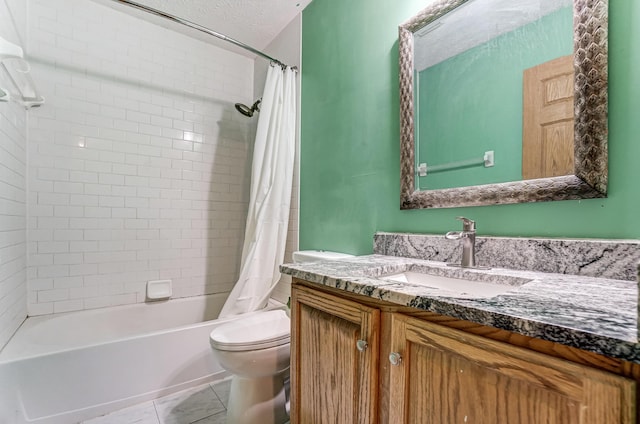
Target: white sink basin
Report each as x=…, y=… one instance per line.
x=451, y=287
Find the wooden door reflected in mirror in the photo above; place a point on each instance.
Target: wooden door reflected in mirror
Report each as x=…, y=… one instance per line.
x=547, y=130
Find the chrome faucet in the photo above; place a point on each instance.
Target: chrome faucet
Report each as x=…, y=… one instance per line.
x=468, y=236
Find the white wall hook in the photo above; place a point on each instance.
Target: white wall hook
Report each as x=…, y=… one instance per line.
x=18, y=73
x=4, y=95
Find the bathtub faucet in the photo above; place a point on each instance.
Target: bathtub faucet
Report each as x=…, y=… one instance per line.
x=468, y=237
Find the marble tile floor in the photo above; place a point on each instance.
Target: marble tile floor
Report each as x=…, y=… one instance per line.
x=204, y=404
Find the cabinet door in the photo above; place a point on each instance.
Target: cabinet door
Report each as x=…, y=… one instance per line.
x=447, y=376
x=333, y=379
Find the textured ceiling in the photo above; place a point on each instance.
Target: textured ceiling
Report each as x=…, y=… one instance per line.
x=474, y=23
x=253, y=22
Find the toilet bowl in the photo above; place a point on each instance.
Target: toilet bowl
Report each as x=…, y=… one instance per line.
x=256, y=350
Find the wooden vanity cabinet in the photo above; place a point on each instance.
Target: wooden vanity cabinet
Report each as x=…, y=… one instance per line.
x=448, y=376
x=334, y=359
x=416, y=371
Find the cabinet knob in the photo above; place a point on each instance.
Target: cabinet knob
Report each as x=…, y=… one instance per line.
x=362, y=345
x=395, y=358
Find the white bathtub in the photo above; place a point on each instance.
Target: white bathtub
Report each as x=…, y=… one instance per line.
x=65, y=368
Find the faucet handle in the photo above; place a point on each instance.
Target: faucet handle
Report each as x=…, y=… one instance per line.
x=467, y=224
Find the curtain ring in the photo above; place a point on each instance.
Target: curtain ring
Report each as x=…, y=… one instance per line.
x=278, y=63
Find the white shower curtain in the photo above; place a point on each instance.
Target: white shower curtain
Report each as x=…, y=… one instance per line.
x=270, y=199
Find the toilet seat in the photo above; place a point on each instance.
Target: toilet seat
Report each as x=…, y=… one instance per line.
x=259, y=331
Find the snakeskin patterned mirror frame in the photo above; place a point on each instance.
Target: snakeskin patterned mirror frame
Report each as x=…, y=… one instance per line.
x=590, y=28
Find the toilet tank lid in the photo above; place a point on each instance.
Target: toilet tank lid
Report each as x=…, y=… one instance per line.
x=318, y=255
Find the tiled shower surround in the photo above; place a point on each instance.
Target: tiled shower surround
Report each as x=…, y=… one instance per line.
x=138, y=162
x=13, y=184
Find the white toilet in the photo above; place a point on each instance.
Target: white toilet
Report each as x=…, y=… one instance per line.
x=255, y=349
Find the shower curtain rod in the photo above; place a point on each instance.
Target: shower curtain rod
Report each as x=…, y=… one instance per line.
x=199, y=28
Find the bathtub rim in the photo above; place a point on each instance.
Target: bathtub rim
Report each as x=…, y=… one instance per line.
x=271, y=305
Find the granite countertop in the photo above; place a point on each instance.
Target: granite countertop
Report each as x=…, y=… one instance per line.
x=594, y=314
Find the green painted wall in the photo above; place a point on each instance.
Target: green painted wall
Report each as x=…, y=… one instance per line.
x=483, y=85
x=350, y=137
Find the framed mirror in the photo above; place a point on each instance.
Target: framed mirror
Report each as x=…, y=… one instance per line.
x=475, y=79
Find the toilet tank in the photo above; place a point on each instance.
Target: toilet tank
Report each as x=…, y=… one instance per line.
x=318, y=255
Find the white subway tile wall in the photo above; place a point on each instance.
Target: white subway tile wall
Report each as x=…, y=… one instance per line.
x=13, y=170
x=138, y=162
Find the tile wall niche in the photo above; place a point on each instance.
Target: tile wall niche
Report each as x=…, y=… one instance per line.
x=13, y=227
x=138, y=162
